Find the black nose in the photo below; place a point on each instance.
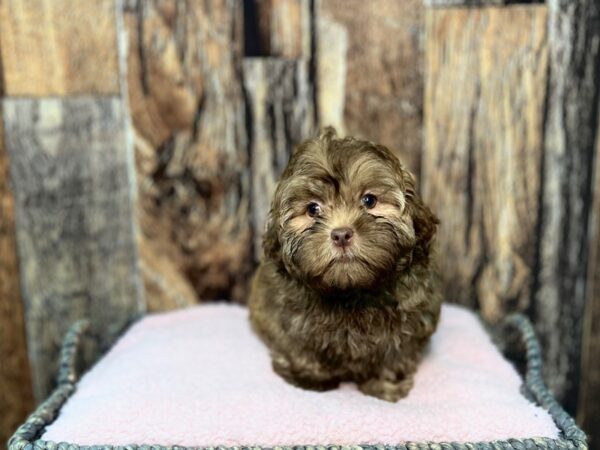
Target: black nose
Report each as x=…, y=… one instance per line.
x=341, y=236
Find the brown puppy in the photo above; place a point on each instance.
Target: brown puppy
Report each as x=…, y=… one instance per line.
x=346, y=291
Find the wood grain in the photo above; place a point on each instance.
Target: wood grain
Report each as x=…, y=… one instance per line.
x=511, y=116
x=72, y=179
x=588, y=407
x=484, y=112
x=463, y=3
x=16, y=396
x=331, y=71
x=279, y=96
x=282, y=28
x=569, y=147
x=370, y=71
x=187, y=105
x=59, y=47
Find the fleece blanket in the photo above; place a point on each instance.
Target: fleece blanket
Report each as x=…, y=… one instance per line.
x=199, y=377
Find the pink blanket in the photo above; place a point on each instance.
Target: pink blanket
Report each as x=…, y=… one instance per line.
x=199, y=377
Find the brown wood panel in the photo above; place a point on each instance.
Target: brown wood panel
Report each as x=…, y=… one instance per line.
x=16, y=396
x=187, y=104
x=511, y=115
x=72, y=179
x=280, y=28
x=370, y=71
x=569, y=147
x=463, y=3
x=59, y=47
x=280, y=115
x=484, y=110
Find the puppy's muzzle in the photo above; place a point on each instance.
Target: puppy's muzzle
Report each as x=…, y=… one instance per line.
x=342, y=237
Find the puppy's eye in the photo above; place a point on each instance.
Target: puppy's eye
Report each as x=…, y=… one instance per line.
x=313, y=209
x=369, y=201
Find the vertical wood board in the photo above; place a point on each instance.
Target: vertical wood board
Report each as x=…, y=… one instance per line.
x=280, y=110
x=588, y=407
x=16, y=396
x=569, y=146
x=279, y=28
x=484, y=111
x=59, y=47
x=370, y=71
x=75, y=227
x=187, y=105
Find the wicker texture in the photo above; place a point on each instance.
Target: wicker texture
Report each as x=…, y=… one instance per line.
x=572, y=437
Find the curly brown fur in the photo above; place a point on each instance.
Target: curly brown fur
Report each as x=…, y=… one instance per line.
x=362, y=310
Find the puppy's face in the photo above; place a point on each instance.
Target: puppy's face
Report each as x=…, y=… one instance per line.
x=345, y=215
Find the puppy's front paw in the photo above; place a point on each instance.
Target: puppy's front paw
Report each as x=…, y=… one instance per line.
x=388, y=390
x=306, y=376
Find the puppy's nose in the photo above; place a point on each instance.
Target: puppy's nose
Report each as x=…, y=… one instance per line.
x=342, y=236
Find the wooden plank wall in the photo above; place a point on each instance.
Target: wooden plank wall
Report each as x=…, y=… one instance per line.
x=569, y=150
x=588, y=408
x=48, y=48
x=372, y=83
x=280, y=114
x=71, y=163
x=188, y=112
x=202, y=167
x=208, y=147
x=511, y=111
x=482, y=155
x=205, y=104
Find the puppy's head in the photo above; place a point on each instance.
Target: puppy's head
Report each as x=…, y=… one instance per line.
x=345, y=215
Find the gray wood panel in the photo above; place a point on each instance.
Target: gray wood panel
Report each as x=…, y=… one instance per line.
x=71, y=168
x=16, y=395
x=588, y=408
x=559, y=288
x=462, y=3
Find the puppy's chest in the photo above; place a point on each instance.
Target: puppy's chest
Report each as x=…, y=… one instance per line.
x=350, y=334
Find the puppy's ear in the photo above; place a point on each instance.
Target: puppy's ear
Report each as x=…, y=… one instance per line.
x=424, y=221
x=271, y=244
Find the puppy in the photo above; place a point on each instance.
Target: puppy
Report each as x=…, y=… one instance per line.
x=347, y=289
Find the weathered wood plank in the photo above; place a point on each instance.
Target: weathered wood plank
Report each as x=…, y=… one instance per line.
x=72, y=178
x=59, y=47
x=187, y=105
x=454, y=3
x=331, y=71
x=279, y=28
x=484, y=112
x=279, y=97
x=472, y=3
x=570, y=131
x=588, y=406
x=370, y=71
x=16, y=396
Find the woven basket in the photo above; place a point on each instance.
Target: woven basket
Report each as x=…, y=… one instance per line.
x=571, y=436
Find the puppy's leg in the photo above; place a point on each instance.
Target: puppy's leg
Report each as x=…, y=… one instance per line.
x=388, y=390
x=389, y=385
x=304, y=372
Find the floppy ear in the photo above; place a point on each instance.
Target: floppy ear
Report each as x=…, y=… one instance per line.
x=271, y=245
x=424, y=221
